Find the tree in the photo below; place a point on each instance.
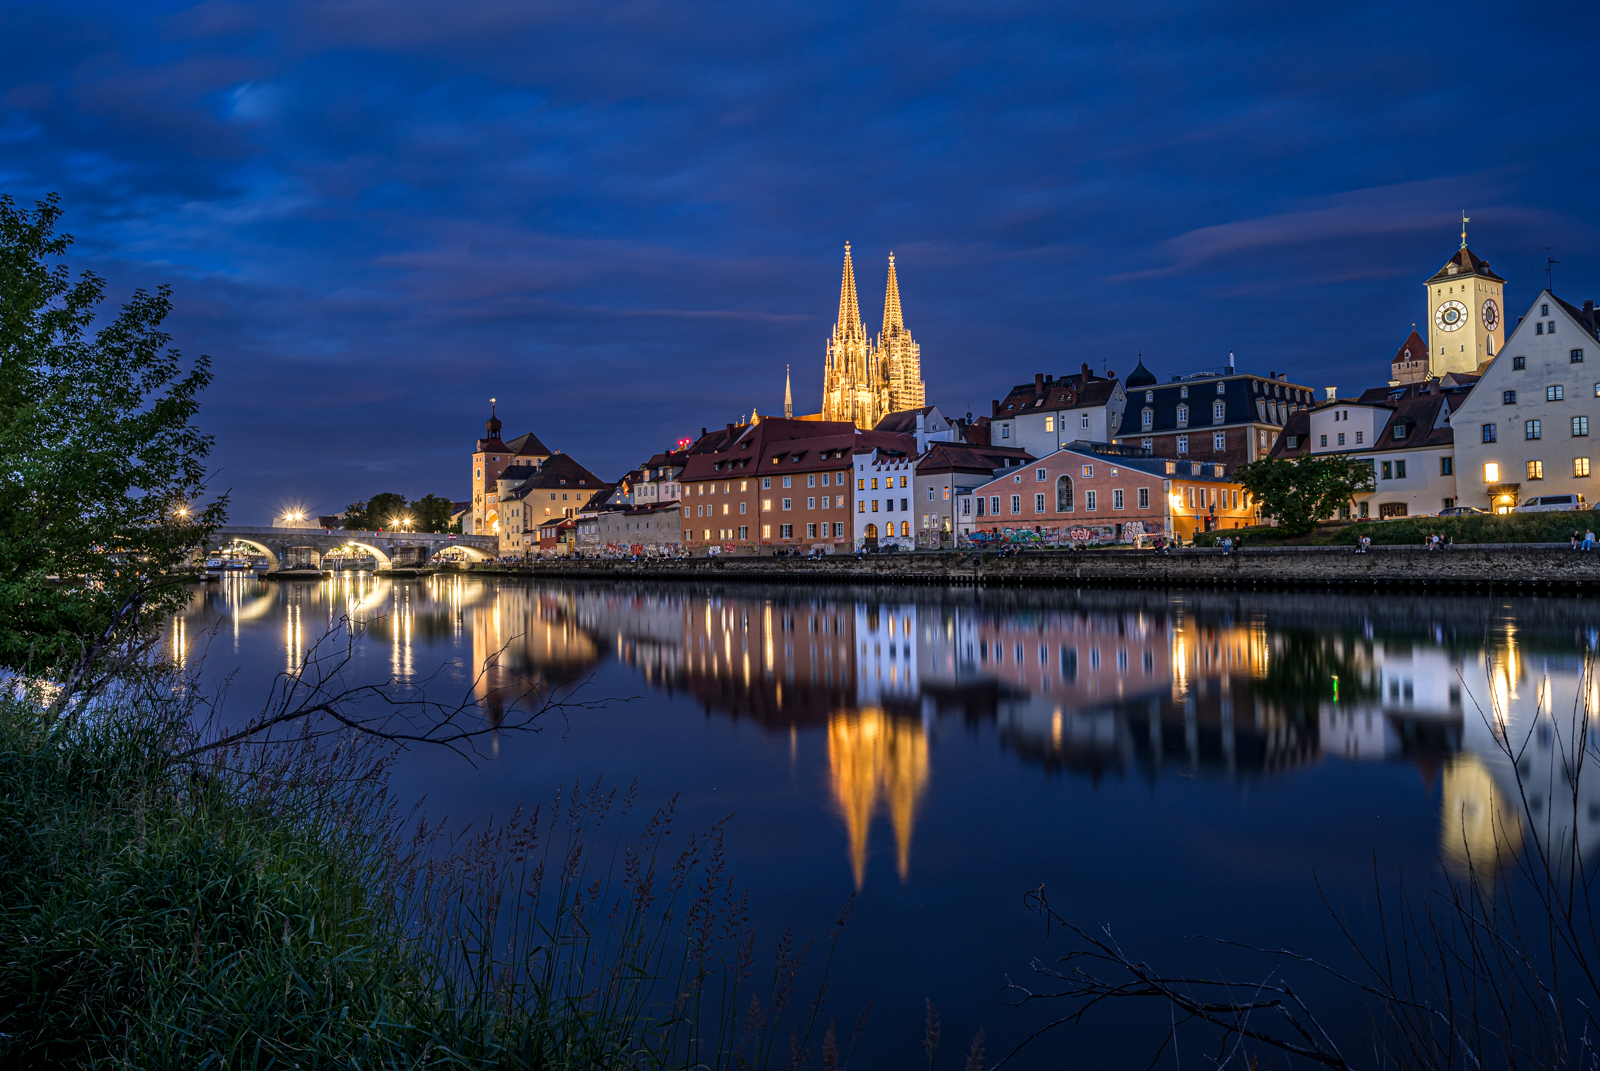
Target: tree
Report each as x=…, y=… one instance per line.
x=101, y=465
x=431, y=513
x=379, y=511
x=1297, y=494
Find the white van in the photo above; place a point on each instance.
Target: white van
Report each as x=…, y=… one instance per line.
x=1550, y=503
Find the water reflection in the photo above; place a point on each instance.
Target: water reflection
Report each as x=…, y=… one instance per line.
x=1099, y=685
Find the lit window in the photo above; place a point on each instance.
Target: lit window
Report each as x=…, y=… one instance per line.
x=1491, y=473
x=874, y=483
x=1580, y=466
x=1536, y=470
x=1049, y=423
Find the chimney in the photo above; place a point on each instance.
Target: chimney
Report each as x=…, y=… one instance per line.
x=1588, y=312
x=1230, y=362
x=1272, y=375
x=1038, y=383
x=702, y=433
x=1333, y=393
x=1087, y=375
x=994, y=407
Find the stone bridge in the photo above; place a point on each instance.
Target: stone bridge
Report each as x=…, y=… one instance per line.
x=285, y=546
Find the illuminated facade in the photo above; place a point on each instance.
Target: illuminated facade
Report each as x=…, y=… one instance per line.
x=862, y=382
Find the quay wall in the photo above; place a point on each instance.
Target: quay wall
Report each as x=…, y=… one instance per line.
x=1547, y=568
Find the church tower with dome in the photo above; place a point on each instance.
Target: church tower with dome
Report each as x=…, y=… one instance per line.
x=1466, y=313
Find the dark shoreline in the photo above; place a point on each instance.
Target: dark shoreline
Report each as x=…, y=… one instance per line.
x=1544, y=568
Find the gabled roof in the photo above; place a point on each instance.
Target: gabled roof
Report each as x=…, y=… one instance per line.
x=905, y=420
x=1246, y=398
x=1412, y=349
x=559, y=472
x=960, y=457
x=1079, y=391
x=1465, y=262
x=527, y=446
x=749, y=449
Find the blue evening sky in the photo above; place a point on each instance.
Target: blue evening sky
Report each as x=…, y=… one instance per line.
x=623, y=220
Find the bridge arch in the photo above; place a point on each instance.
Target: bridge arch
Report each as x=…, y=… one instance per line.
x=472, y=554
x=385, y=563
x=273, y=564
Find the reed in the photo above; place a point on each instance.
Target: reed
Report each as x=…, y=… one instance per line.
x=260, y=907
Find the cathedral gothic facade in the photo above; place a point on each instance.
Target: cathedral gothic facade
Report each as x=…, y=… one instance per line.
x=866, y=380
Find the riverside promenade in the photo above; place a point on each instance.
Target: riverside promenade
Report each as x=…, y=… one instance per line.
x=1552, y=568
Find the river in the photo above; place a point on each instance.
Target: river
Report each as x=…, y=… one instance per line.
x=1166, y=763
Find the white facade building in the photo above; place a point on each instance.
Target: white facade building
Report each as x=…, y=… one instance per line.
x=1530, y=426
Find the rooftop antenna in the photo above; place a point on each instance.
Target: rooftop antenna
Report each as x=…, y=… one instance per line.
x=1549, y=272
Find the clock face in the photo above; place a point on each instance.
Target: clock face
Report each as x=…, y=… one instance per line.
x=1491, y=314
x=1451, y=316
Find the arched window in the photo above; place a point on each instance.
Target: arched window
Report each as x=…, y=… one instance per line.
x=1064, y=494
x=872, y=532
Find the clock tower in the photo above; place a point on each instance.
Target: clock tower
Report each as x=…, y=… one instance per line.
x=1466, y=313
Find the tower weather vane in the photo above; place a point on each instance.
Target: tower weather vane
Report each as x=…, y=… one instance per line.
x=1465, y=219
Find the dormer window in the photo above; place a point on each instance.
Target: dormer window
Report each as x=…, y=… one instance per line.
x=1183, y=415
x=1399, y=431
x=1221, y=386
x=1183, y=392
x=1149, y=396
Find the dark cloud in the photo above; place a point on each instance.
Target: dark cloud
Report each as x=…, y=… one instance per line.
x=624, y=221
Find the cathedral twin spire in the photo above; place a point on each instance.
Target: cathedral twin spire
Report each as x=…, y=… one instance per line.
x=864, y=382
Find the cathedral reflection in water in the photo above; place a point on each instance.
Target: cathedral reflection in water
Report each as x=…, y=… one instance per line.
x=1102, y=684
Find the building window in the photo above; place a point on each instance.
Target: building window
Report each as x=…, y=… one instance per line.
x=1553, y=393
x=1218, y=410
x=1530, y=430
x=1049, y=423
x=1219, y=441
x=1064, y=494
x=875, y=504
x=1183, y=415
x=1536, y=470
x=1400, y=469
x=1147, y=418
x=1447, y=466
x=1083, y=421
x=1508, y=397
x=1191, y=498
x=1324, y=440
x=1580, y=425
x=1147, y=444
x=742, y=506
x=1544, y=310
x=994, y=506
x=1580, y=466
x=1005, y=431
x=766, y=531
x=1518, y=363
x=1089, y=501
x=811, y=480
x=1341, y=438
x=1388, y=470
x=1038, y=474
x=1116, y=498
x=1183, y=392
x=966, y=506
x=1488, y=433
x=1183, y=444
x=744, y=531
x=1038, y=503
x=838, y=530
x=811, y=503
x=785, y=531
x=788, y=503
x=1577, y=357
x=1538, y=328
x=1491, y=473
x=861, y=505
x=1016, y=504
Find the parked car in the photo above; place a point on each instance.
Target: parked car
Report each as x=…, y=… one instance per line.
x=1461, y=511
x=1551, y=504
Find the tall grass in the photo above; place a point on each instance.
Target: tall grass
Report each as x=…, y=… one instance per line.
x=267, y=908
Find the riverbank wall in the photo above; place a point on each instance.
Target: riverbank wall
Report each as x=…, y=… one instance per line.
x=1549, y=568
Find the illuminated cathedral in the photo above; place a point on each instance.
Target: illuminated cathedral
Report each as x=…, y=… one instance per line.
x=866, y=380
